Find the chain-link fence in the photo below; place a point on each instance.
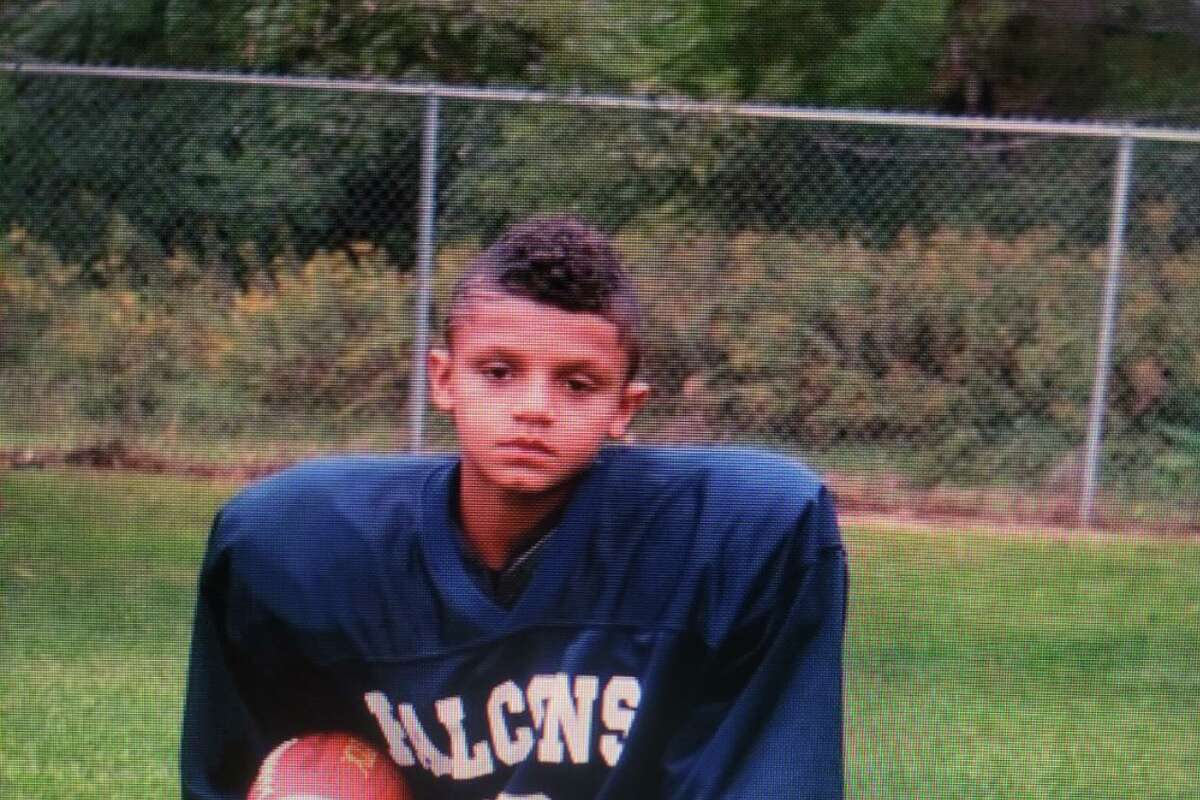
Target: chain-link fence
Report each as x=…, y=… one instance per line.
x=945, y=315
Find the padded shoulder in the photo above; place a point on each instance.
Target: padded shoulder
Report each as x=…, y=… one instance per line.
x=324, y=514
x=355, y=479
x=725, y=532
x=737, y=480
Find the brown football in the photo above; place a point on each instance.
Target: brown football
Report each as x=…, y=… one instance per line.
x=328, y=766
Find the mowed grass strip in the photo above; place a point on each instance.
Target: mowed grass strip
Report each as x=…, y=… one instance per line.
x=98, y=584
x=992, y=666
x=977, y=666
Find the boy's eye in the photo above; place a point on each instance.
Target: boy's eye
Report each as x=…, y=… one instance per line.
x=496, y=371
x=580, y=385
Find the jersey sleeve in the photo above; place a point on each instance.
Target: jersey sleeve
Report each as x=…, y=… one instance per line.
x=219, y=727
x=244, y=677
x=768, y=721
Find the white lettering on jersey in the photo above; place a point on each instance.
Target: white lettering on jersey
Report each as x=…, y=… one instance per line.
x=622, y=695
x=451, y=714
x=515, y=746
x=379, y=706
x=559, y=719
x=428, y=755
x=562, y=709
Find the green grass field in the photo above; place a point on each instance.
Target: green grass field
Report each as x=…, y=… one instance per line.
x=978, y=665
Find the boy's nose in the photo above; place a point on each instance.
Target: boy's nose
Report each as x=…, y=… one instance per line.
x=534, y=403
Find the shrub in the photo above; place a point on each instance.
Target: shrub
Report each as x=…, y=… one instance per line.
x=332, y=339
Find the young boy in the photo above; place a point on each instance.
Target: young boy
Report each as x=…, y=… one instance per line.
x=541, y=615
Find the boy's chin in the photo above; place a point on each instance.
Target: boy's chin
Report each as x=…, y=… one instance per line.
x=526, y=480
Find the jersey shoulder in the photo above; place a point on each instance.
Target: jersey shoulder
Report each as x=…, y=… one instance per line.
x=357, y=484
x=732, y=503
x=725, y=532
x=743, y=479
x=326, y=506
x=324, y=555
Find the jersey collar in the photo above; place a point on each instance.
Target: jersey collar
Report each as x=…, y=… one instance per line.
x=558, y=555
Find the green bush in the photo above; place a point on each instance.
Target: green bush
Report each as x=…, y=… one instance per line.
x=331, y=339
x=978, y=351
x=968, y=356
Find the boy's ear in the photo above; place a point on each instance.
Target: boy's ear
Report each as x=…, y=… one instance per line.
x=633, y=397
x=438, y=366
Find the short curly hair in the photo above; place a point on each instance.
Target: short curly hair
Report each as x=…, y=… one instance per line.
x=562, y=262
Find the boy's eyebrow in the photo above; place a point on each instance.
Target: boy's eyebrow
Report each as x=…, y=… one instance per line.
x=585, y=364
x=495, y=352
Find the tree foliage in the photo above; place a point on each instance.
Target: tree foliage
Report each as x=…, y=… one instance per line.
x=809, y=51
x=968, y=354
x=238, y=177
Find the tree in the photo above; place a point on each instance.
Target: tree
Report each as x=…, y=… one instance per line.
x=184, y=33
x=240, y=176
x=806, y=51
x=1064, y=58
x=125, y=172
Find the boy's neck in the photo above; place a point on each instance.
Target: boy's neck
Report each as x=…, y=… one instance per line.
x=498, y=523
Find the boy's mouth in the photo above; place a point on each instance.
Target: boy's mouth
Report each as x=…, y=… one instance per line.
x=523, y=445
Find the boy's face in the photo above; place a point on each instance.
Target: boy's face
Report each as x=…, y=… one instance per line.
x=534, y=391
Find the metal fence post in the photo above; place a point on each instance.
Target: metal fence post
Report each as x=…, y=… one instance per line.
x=425, y=238
x=1116, y=247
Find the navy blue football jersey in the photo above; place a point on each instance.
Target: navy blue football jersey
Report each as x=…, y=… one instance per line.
x=680, y=636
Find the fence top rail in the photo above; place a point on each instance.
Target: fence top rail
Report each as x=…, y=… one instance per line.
x=678, y=105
